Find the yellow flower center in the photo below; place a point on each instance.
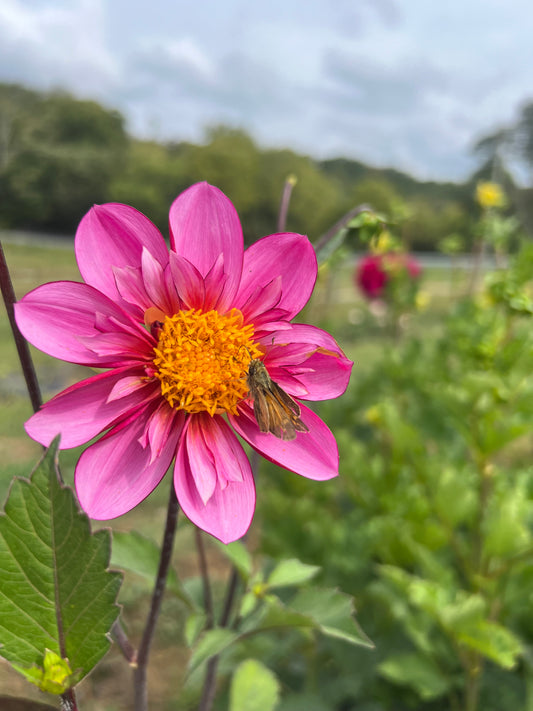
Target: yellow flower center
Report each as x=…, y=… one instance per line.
x=202, y=359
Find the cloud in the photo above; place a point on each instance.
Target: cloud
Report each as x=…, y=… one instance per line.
x=196, y=91
x=56, y=46
x=370, y=87
x=399, y=82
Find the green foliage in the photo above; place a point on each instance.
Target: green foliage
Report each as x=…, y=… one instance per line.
x=416, y=671
x=134, y=552
x=430, y=525
x=57, y=599
x=253, y=688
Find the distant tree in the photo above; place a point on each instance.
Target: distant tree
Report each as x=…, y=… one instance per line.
x=229, y=159
x=316, y=199
x=151, y=177
x=427, y=224
x=58, y=155
x=377, y=192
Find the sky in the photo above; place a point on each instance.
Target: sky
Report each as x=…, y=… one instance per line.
x=409, y=84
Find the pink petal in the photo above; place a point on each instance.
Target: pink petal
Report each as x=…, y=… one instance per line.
x=159, y=428
x=203, y=225
x=156, y=284
x=116, y=347
x=310, y=356
x=215, y=286
x=312, y=454
x=224, y=448
x=228, y=512
x=201, y=461
x=288, y=255
x=189, y=282
x=82, y=411
x=54, y=317
x=115, y=474
x=126, y=386
x=114, y=235
x=263, y=299
x=130, y=286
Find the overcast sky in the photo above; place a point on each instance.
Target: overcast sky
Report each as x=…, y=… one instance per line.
x=403, y=83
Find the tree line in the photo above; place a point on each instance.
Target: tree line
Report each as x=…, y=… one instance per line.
x=59, y=155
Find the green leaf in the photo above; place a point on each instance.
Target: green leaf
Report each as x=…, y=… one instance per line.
x=211, y=643
x=140, y=555
x=253, y=688
x=506, y=524
x=333, y=613
x=248, y=604
x=291, y=572
x=194, y=626
x=55, y=590
x=463, y=612
x=416, y=671
x=275, y=615
x=237, y=553
x=493, y=641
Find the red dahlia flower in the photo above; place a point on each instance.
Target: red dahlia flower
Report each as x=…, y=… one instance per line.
x=176, y=331
x=374, y=272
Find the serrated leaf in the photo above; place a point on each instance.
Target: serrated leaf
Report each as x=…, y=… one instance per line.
x=238, y=554
x=253, y=688
x=55, y=590
x=333, y=613
x=416, y=671
x=140, y=555
x=211, y=643
x=291, y=572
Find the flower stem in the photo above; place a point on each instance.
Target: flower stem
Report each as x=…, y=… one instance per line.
x=23, y=349
x=290, y=182
x=209, y=690
x=330, y=234
x=208, y=694
x=139, y=673
x=68, y=701
x=206, y=585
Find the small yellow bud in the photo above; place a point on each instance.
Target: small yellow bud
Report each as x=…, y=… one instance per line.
x=373, y=415
x=422, y=300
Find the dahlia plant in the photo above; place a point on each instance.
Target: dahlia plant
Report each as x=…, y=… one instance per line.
x=376, y=275
x=175, y=331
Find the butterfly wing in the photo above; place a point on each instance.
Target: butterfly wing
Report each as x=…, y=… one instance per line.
x=287, y=412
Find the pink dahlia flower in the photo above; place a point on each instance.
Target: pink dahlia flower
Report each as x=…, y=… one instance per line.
x=176, y=330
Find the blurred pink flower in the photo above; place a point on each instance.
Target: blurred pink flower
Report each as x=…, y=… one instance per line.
x=374, y=272
x=370, y=276
x=176, y=330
